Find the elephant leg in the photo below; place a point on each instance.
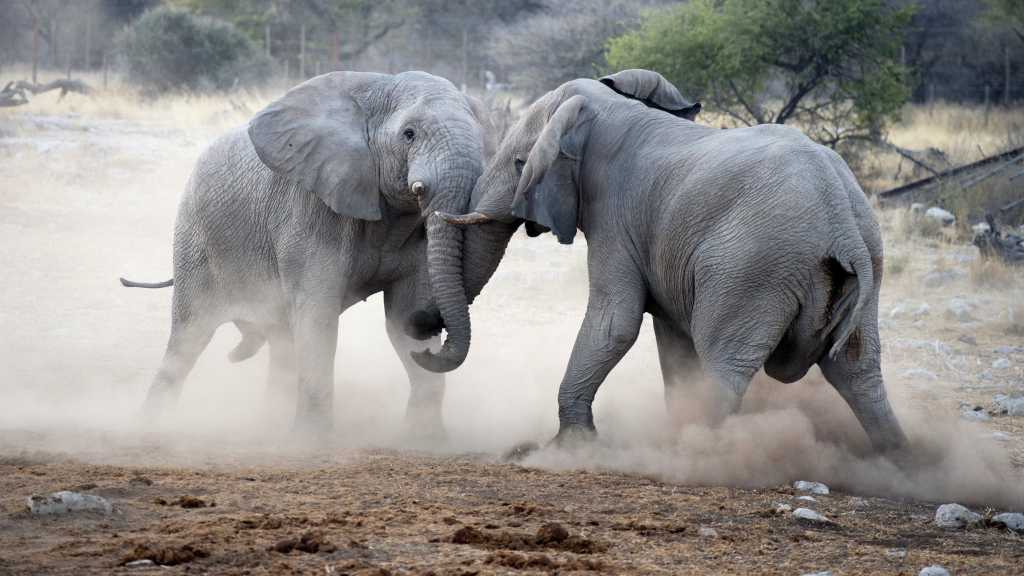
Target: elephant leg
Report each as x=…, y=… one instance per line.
x=734, y=334
x=423, y=413
x=856, y=374
x=610, y=327
x=315, y=332
x=281, y=369
x=187, y=341
x=680, y=367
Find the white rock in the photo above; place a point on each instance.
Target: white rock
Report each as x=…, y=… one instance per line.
x=144, y=563
x=956, y=516
x=824, y=573
x=1007, y=350
x=899, y=553
x=708, y=532
x=919, y=374
x=933, y=570
x=974, y=415
x=960, y=310
x=939, y=215
x=939, y=278
x=806, y=498
x=981, y=228
x=812, y=487
x=1001, y=364
x=1010, y=520
x=65, y=501
x=1000, y=436
x=1011, y=406
x=809, y=515
x=781, y=508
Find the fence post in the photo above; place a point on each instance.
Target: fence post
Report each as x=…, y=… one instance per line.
x=1006, y=66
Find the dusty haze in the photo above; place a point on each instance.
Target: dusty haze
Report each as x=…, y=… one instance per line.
x=89, y=196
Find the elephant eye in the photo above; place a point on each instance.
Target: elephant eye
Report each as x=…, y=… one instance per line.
x=409, y=134
x=519, y=164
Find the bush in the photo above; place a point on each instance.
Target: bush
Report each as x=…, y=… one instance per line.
x=170, y=49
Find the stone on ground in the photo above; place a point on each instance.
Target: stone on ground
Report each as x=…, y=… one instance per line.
x=66, y=501
x=1010, y=520
x=955, y=516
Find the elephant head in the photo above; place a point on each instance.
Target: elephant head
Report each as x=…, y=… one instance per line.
x=535, y=169
x=376, y=146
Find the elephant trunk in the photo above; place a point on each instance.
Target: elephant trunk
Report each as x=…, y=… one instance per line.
x=444, y=265
x=484, y=248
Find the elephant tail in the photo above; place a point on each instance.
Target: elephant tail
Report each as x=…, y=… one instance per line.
x=132, y=284
x=855, y=260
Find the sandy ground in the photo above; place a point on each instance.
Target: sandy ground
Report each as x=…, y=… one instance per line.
x=220, y=488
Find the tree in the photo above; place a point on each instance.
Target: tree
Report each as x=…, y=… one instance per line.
x=831, y=66
x=1009, y=13
x=564, y=40
x=170, y=49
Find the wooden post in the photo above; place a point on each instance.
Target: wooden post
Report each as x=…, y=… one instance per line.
x=1006, y=66
x=465, y=55
x=335, y=49
x=51, y=55
x=302, y=51
x=266, y=37
x=35, y=46
x=88, y=41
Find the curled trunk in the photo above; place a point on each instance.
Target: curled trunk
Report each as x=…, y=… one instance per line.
x=444, y=265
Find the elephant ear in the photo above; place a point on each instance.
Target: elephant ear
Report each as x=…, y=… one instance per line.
x=316, y=134
x=653, y=90
x=547, y=193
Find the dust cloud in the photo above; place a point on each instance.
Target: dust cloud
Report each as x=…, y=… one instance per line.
x=83, y=201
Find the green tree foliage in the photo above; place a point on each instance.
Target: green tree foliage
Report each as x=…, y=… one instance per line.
x=1008, y=13
x=169, y=49
x=831, y=66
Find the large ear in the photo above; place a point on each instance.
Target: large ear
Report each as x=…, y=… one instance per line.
x=547, y=193
x=654, y=90
x=316, y=134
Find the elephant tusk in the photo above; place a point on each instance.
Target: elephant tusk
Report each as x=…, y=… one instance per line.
x=465, y=219
x=418, y=188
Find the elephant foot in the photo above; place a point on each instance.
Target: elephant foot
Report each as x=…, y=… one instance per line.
x=573, y=436
x=421, y=437
x=311, y=430
x=520, y=452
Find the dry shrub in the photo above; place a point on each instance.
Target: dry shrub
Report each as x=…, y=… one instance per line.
x=1014, y=321
x=895, y=264
x=914, y=225
x=989, y=273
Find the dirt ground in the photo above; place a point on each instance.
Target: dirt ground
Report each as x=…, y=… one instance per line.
x=390, y=512
x=219, y=488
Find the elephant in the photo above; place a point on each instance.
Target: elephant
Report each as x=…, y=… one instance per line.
x=326, y=197
x=750, y=247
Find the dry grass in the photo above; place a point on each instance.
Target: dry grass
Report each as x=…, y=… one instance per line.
x=985, y=273
x=120, y=101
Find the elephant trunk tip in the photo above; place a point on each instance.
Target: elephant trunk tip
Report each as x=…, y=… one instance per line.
x=439, y=363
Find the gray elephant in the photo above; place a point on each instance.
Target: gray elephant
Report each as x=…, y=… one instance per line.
x=750, y=248
x=325, y=199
